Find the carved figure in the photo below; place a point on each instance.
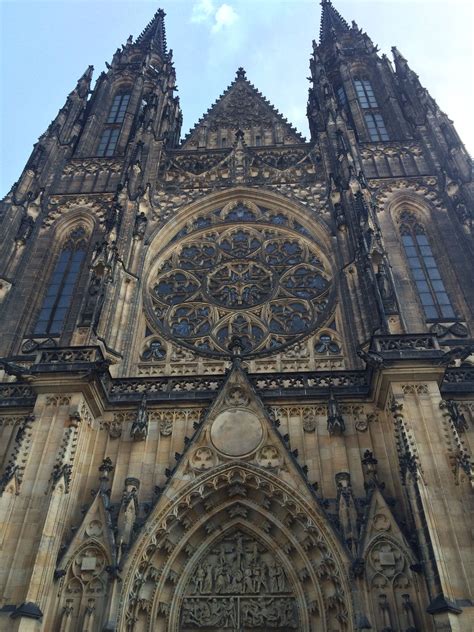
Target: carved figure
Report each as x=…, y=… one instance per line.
x=139, y=228
x=139, y=429
x=336, y=425
x=25, y=229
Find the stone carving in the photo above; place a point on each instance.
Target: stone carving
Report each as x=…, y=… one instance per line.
x=457, y=417
x=309, y=420
x=139, y=228
x=415, y=389
x=202, y=458
x=405, y=342
x=166, y=427
x=13, y=474
x=139, y=429
x=269, y=457
x=104, y=261
x=262, y=284
x=239, y=585
x=154, y=351
x=385, y=286
x=336, y=425
x=236, y=397
x=386, y=559
x=25, y=229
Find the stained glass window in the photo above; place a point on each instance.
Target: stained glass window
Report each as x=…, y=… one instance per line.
x=264, y=284
x=376, y=127
x=424, y=270
x=365, y=94
x=111, y=132
x=373, y=118
x=61, y=286
x=118, y=109
x=108, y=142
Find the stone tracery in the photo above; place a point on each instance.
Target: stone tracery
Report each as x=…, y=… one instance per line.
x=260, y=282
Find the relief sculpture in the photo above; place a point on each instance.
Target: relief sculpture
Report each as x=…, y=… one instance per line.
x=239, y=586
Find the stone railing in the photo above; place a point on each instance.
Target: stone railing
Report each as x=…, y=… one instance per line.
x=458, y=380
x=312, y=383
x=404, y=343
x=14, y=394
x=69, y=355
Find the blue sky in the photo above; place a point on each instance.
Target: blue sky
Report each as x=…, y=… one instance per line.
x=46, y=45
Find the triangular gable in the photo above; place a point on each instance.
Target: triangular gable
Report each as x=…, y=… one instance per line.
x=96, y=529
x=242, y=107
x=380, y=524
x=237, y=427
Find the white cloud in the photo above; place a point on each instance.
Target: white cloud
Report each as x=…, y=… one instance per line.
x=224, y=16
x=203, y=11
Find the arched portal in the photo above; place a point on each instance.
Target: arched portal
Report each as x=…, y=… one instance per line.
x=238, y=550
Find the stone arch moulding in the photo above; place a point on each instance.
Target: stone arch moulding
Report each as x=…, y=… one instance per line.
x=411, y=201
x=76, y=217
x=164, y=232
x=208, y=518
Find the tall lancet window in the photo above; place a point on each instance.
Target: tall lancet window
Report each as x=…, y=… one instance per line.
x=113, y=125
x=373, y=118
x=424, y=270
x=61, y=286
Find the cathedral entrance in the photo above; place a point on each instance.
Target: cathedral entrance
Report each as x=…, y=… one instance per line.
x=238, y=585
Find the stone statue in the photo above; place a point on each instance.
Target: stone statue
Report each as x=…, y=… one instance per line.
x=141, y=222
x=336, y=425
x=25, y=229
x=93, y=303
x=139, y=429
x=384, y=284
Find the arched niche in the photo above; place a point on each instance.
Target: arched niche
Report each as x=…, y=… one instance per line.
x=232, y=501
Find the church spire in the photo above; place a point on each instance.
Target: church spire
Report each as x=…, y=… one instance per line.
x=331, y=22
x=154, y=33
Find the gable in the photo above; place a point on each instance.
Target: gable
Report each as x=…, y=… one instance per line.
x=241, y=107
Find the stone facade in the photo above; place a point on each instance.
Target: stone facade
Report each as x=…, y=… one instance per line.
x=237, y=384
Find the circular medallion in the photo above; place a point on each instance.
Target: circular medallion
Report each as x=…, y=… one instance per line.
x=264, y=284
x=236, y=432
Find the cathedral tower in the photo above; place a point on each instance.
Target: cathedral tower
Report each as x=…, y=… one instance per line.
x=237, y=389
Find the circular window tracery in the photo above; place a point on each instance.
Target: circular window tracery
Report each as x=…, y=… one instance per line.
x=264, y=284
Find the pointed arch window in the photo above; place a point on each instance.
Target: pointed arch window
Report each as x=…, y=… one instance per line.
x=372, y=116
x=61, y=286
x=111, y=132
x=424, y=269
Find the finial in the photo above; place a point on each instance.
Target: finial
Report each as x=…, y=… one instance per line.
x=236, y=348
x=240, y=74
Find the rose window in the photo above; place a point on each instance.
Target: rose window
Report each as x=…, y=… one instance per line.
x=264, y=284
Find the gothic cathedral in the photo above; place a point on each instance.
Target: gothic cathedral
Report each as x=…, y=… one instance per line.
x=237, y=378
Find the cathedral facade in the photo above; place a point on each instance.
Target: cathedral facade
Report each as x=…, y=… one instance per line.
x=237, y=380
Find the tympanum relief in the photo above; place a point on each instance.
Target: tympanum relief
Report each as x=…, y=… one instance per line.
x=238, y=585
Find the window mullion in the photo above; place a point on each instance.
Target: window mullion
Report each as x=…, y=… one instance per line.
x=426, y=273
x=60, y=292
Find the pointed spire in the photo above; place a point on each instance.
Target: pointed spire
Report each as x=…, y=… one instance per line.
x=84, y=82
x=154, y=33
x=331, y=22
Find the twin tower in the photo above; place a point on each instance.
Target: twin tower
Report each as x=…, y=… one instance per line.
x=237, y=381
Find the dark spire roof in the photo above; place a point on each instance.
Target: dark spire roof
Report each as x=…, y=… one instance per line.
x=331, y=21
x=155, y=33
x=241, y=79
